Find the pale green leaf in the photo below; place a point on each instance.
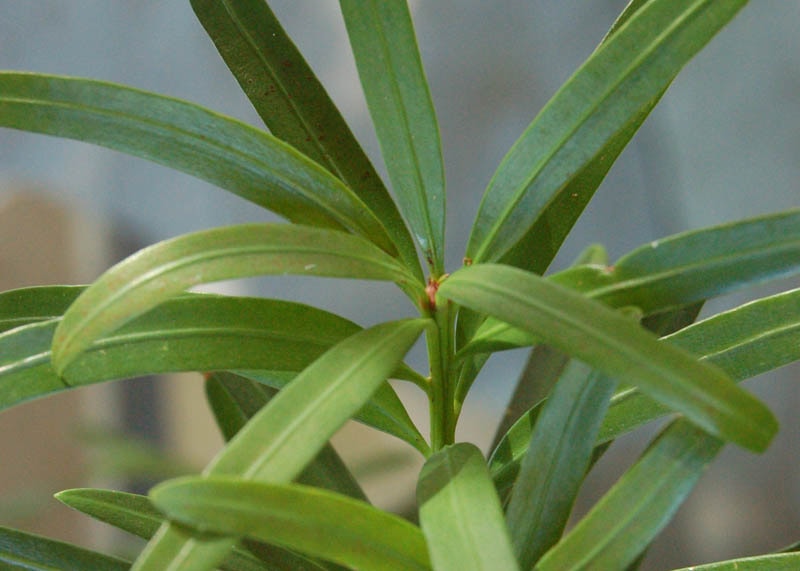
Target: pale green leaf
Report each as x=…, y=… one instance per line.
x=294, y=105
x=616, y=346
x=310, y=520
x=638, y=506
x=163, y=270
x=237, y=157
x=460, y=513
x=389, y=66
x=774, y=562
x=603, y=98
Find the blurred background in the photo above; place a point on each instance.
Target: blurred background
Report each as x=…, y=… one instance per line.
x=723, y=144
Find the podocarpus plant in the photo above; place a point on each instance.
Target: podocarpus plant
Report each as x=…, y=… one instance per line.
x=614, y=346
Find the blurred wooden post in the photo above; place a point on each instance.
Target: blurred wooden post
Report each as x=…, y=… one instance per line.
x=42, y=242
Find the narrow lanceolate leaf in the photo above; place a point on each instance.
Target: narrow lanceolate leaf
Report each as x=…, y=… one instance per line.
x=556, y=462
x=679, y=270
x=460, y=513
x=33, y=304
x=776, y=562
x=27, y=552
x=384, y=411
x=310, y=520
x=286, y=434
x=160, y=272
x=294, y=105
x=389, y=65
x=186, y=333
x=744, y=342
x=639, y=505
x=136, y=515
x=235, y=399
x=602, y=99
x=615, y=345
x=246, y=161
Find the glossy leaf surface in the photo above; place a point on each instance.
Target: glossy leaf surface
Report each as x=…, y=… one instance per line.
x=285, y=435
x=237, y=157
x=168, y=268
x=136, y=515
x=460, y=513
x=293, y=103
x=615, y=345
x=638, y=506
x=27, y=552
x=389, y=66
x=235, y=400
x=735, y=341
x=556, y=462
x=310, y=520
x=602, y=98
x=685, y=268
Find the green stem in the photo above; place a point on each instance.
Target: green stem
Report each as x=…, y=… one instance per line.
x=440, y=356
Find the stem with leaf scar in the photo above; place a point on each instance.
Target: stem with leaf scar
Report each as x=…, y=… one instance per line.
x=440, y=356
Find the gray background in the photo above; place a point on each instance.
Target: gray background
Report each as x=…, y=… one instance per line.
x=723, y=144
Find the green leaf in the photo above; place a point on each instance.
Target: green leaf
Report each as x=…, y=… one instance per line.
x=314, y=521
x=384, y=411
x=735, y=341
x=235, y=399
x=28, y=552
x=285, y=435
x=605, y=97
x=389, y=65
x=460, y=513
x=616, y=346
x=237, y=157
x=638, y=506
x=744, y=342
x=294, y=105
x=164, y=270
x=775, y=562
x=34, y=304
x=136, y=515
x=682, y=269
x=189, y=332
x=558, y=457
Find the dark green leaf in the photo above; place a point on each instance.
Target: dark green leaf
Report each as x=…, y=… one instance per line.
x=310, y=520
x=136, y=515
x=27, y=552
x=239, y=158
x=33, y=304
x=615, y=345
x=384, y=411
x=605, y=97
x=682, y=269
x=385, y=48
x=638, y=506
x=744, y=342
x=235, y=399
x=460, y=513
x=289, y=431
x=294, y=105
x=556, y=462
x=164, y=270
